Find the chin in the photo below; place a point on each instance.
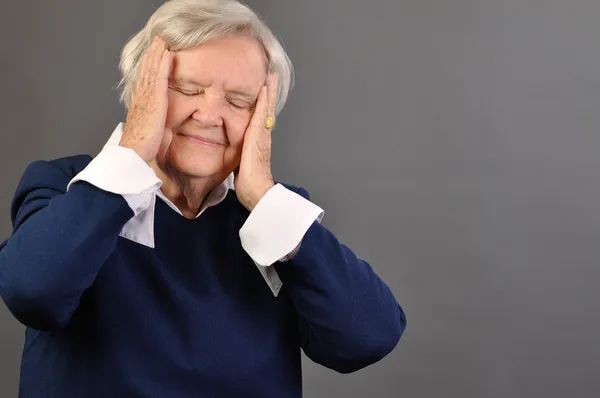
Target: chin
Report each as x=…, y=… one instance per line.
x=200, y=166
x=192, y=160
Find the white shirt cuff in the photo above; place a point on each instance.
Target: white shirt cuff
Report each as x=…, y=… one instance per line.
x=277, y=225
x=122, y=171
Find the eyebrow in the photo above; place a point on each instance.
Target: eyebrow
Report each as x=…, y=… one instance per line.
x=244, y=92
x=183, y=80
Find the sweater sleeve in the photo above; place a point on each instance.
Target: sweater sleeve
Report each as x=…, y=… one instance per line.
x=59, y=242
x=348, y=317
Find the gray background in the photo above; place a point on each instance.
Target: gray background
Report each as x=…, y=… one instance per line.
x=454, y=144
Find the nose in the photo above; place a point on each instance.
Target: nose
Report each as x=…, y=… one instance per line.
x=208, y=111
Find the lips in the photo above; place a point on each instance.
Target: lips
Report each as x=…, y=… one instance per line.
x=202, y=140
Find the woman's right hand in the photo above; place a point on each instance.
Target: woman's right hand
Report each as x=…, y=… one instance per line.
x=144, y=130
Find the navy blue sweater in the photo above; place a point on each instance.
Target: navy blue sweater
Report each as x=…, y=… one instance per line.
x=107, y=317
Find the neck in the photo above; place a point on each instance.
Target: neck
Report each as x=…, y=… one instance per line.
x=187, y=193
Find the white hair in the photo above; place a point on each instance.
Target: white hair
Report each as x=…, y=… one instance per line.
x=188, y=23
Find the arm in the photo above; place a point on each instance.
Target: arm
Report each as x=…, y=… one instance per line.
x=63, y=229
x=60, y=240
x=348, y=317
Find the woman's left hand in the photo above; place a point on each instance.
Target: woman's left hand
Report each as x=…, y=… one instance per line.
x=254, y=178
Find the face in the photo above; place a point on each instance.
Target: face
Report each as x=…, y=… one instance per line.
x=212, y=93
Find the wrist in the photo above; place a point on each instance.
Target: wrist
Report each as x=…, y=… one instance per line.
x=258, y=194
x=136, y=148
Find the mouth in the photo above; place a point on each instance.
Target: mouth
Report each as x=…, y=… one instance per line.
x=202, y=141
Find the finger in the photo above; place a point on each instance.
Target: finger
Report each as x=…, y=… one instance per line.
x=260, y=111
x=162, y=77
x=144, y=66
x=272, y=85
x=150, y=67
x=147, y=76
x=158, y=50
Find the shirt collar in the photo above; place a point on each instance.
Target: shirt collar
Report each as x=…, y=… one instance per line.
x=216, y=196
x=140, y=228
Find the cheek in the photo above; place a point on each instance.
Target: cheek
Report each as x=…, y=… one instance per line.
x=178, y=111
x=236, y=126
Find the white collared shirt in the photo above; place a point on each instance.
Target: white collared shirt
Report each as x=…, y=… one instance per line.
x=274, y=228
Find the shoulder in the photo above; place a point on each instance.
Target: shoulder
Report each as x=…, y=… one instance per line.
x=44, y=179
x=59, y=169
x=296, y=189
x=53, y=175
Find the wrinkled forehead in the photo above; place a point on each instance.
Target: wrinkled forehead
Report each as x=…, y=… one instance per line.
x=230, y=63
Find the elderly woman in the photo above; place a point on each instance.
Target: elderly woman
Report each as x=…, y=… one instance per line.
x=171, y=264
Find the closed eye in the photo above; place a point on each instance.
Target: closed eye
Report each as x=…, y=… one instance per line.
x=238, y=103
x=239, y=106
x=235, y=102
x=186, y=92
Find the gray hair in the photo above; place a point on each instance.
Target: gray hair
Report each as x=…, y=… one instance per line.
x=188, y=23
